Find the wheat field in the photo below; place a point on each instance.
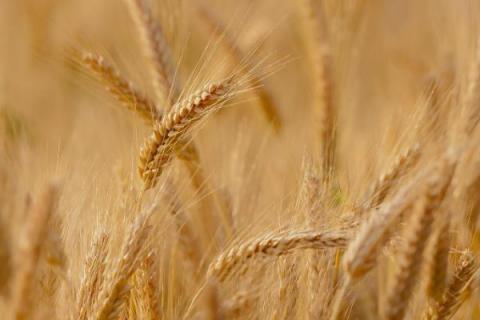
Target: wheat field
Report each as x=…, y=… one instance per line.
x=253, y=159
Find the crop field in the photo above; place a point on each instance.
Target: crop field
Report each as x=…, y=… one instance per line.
x=239, y=159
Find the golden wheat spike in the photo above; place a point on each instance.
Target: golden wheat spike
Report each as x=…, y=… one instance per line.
x=387, y=181
x=156, y=50
x=437, y=259
x=93, y=276
x=410, y=261
x=454, y=295
x=362, y=253
x=116, y=292
x=157, y=150
x=121, y=89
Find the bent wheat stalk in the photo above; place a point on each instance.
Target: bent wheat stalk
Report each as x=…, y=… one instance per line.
x=274, y=245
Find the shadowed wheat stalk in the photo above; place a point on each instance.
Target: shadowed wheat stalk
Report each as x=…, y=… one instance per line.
x=35, y=234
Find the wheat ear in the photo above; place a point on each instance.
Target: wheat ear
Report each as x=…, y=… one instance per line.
x=402, y=165
x=454, y=295
x=151, y=279
x=156, y=50
x=239, y=304
x=93, y=276
x=157, y=150
x=6, y=267
x=115, y=295
x=120, y=88
x=220, y=32
x=212, y=302
x=472, y=96
x=411, y=257
x=410, y=261
x=30, y=248
x=324, y=110
x=273, y=245
x=362, y=253
x=437, y=260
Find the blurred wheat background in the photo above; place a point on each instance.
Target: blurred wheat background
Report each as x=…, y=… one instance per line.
x=221, y=159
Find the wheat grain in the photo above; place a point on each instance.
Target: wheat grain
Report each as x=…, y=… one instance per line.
x=324, y=109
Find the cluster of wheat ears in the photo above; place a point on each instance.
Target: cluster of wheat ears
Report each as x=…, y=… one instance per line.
x=189, y=243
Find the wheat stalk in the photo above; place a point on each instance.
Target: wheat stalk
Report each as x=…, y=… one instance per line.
x=472, y=96
x=35, y=234
x=437, y=260
x=324, y=109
